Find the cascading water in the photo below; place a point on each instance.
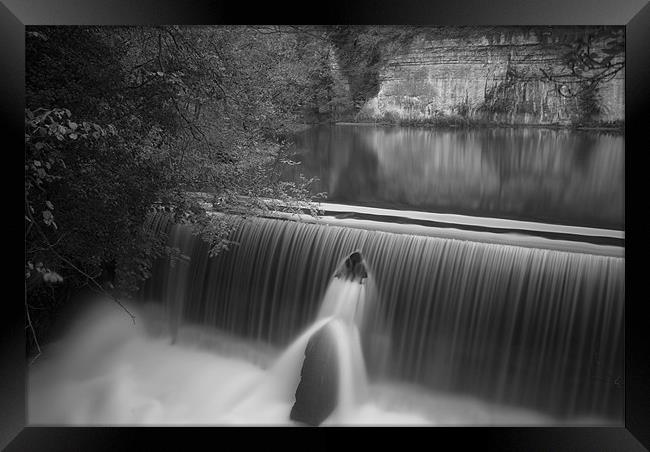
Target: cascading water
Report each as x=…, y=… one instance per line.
x=336, y=347
x=515, y=325
x=437, y=331
x=342, y=311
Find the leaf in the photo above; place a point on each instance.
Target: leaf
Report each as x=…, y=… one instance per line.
x=36, y=34
x=47, y=217
x=49, y=205
x=52, y=276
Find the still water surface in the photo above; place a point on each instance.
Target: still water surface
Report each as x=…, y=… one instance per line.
x=556, y=176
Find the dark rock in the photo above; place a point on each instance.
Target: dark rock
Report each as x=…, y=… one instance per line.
x=353, y=268
x=317, y=392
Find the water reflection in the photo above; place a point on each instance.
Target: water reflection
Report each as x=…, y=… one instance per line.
x=556, y=176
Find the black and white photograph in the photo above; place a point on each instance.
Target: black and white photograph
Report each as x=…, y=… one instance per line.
x=325, y=225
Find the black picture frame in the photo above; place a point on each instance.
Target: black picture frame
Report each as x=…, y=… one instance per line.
x=634, y=14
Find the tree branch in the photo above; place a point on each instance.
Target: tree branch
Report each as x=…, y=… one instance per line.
x=31, y=327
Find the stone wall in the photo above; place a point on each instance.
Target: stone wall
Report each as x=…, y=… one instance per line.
x=491, y=76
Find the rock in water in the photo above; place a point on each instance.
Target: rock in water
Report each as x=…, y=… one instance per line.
x=353, y=268
x=317, y=392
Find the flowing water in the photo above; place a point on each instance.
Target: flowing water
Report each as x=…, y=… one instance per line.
x=111, y=372
x=445, y=330
x=522, y=326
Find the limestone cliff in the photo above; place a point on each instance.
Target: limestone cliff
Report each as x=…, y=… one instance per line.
x=492, y=75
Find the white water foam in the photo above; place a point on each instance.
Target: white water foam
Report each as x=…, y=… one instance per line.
x=108, y=371
x=344, y=303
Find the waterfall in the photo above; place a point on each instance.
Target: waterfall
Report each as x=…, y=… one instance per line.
x=524, y=326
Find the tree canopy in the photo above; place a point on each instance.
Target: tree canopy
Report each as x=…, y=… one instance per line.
x=123, y=121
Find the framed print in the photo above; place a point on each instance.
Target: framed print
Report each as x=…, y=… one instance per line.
x=416, y=221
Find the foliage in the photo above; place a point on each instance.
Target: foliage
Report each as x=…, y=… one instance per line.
x=121, y=121
x=85, y=166
x=362, y=51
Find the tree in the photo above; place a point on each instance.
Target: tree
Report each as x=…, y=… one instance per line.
x=123, y=121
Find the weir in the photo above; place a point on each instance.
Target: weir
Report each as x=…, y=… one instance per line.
x=524, y=326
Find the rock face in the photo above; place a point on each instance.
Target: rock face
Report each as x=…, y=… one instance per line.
x=317, y=392
x=492, y=76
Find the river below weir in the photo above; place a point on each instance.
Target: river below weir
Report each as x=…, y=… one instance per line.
x=108, y=371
